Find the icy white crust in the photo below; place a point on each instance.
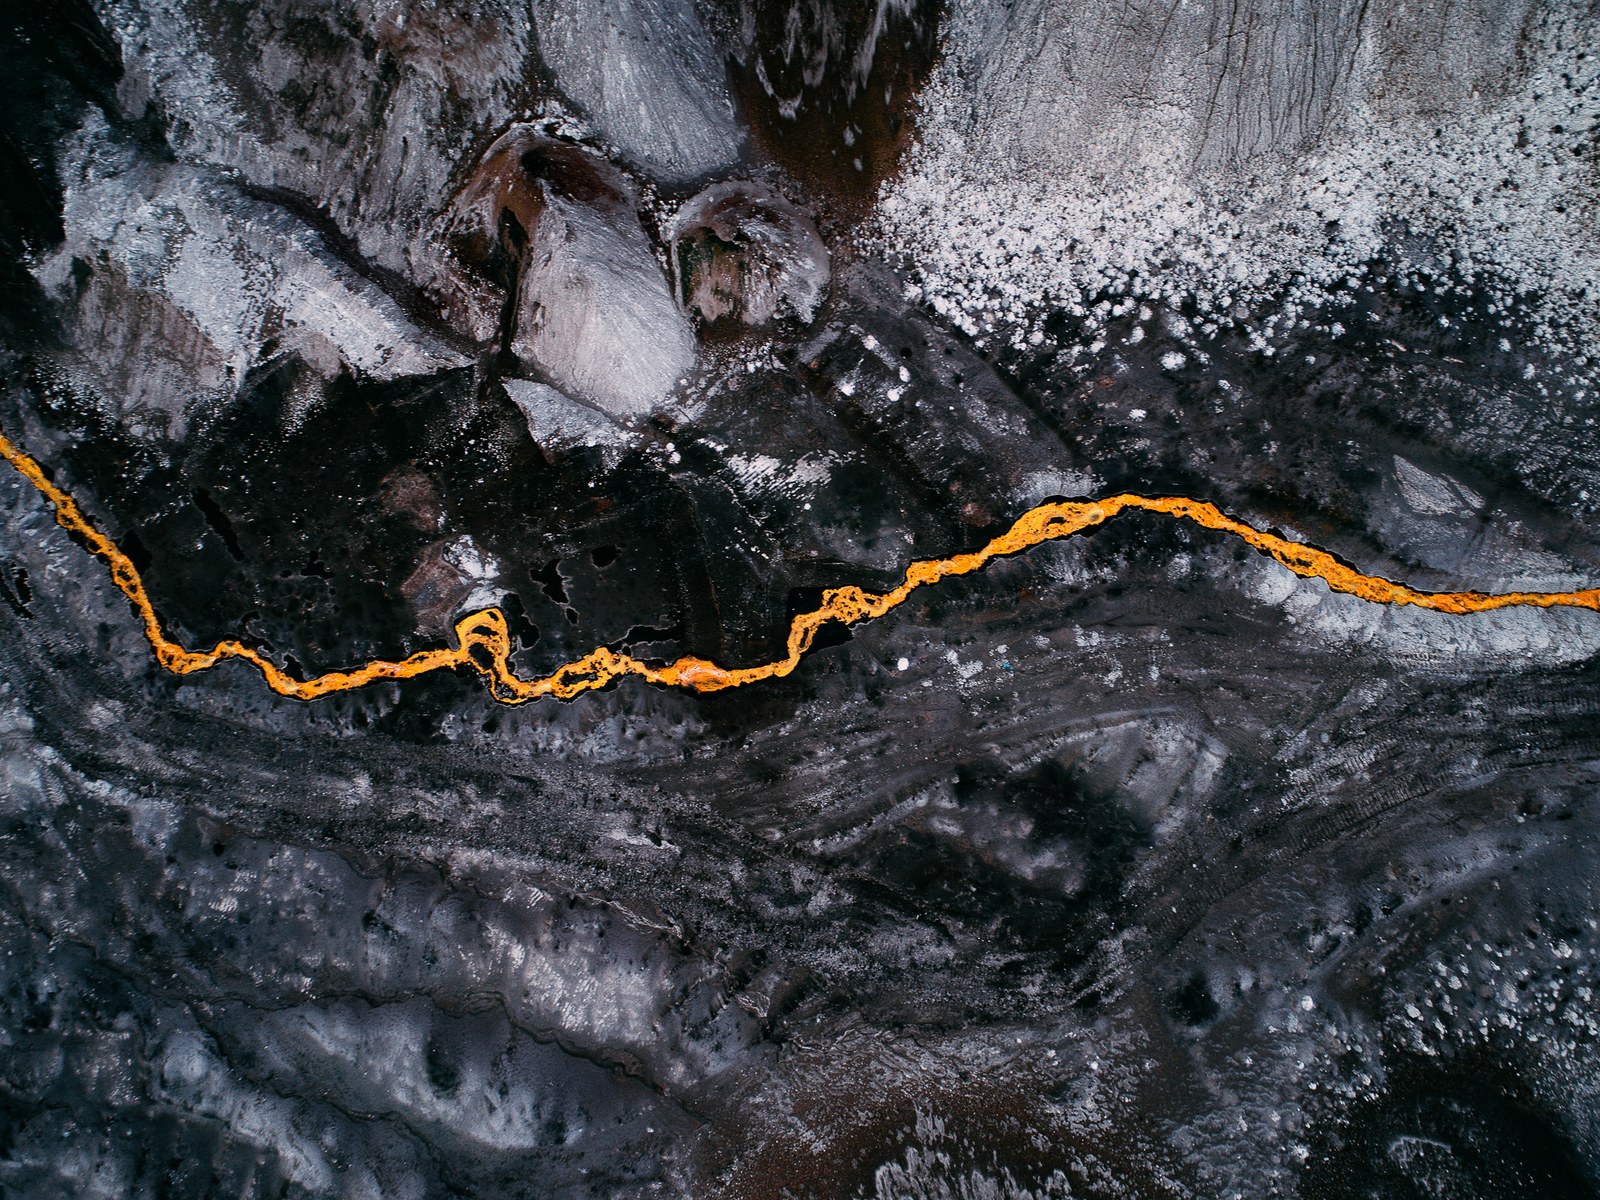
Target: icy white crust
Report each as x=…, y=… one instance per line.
x=594, y=312
x=1226, y=155
x=558, y=422
x=430, y=82
x=175, y=280
x=647, y=75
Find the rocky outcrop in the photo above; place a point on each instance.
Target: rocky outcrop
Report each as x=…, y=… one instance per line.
x=742, y=252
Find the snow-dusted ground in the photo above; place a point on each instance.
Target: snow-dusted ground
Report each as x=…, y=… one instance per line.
x=1252, y=161
x=1134, y=866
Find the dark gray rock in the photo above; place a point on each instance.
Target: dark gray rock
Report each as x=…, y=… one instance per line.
x=1133, y=866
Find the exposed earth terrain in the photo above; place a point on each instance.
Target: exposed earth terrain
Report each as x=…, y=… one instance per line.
x=1130, y=865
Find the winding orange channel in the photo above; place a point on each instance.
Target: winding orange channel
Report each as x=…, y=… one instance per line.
x=483, y=641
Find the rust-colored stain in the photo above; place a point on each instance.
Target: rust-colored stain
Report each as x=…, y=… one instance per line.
x=483, y=641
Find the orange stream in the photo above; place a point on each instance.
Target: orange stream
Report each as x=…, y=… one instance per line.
x=483, y=641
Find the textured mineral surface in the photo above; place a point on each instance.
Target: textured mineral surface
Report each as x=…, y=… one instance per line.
x=1132, y=865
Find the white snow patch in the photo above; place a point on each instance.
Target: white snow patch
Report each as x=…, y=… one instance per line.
x=238, y=271
x=1066, y=154
x=760, y=473
x=1431, y=494
x=649, y=77
x=558, y=422
x=479, y=571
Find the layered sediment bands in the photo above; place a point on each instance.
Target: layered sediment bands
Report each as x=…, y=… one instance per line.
x=483, y=639
x=1221, y=83
x=1254, y=158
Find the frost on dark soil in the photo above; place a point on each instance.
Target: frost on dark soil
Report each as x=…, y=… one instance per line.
x=1132, y=867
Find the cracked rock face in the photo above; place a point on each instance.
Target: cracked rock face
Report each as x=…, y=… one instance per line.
x=1132, y=866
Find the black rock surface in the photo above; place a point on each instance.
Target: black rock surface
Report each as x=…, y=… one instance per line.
x=1130, y=867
